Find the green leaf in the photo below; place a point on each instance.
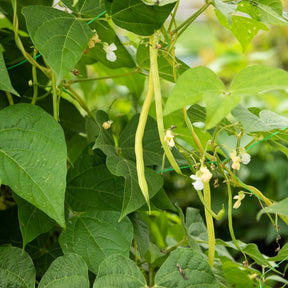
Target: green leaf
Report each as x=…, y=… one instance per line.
x=277, y=208
x=32, y=221
x=259, y=78
x=90, y=185
x=119, y=271
x=66, y=271
x=5, y=83
x=243, y=28
x=33, y=158
x=225, y=8
x=152, y=151
x=218, y=106
x=96, y=235
x=58, y=36
x=165, y=62
x=185, y=268
x=267, y=11
x=135, y=16
x=108, y=35
x=133, y=197
x=86, y=8
x=191, y=86
x=16, y=268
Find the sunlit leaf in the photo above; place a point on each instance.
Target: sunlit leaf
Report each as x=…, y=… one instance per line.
x=88, y=8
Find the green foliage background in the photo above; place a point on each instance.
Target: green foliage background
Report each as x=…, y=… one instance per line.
x=81, y=205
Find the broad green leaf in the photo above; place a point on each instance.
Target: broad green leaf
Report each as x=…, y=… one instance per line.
x=33, y=158
x=165, y=62
x=259, y=78
x=66, y=271
x=273, y=120
x=282, y=254
x=135, y=16
x=218, y=106
x=32, y=221
x=58, y=36
x=185, y=268
x=95, y=235
x=86, y=8
x=5, y=83
x=277, y=208
x=191, y=86
x=243, y=28
x=119, y=271
x=267, y=11
x=16, y=268
x=133, y=197
x=90, y=185
x=152, y=151
x=107, y=35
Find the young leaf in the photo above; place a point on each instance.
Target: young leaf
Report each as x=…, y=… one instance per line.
x=119, y=271
x=185, y=268
x=135, y=16
x=258, y=78
x=58, y=36
x=96, y=235
x=191, y=86
x=5, y=83
x=66, y=271
x=86, y=8
x=32, y=221
x=33, y=158
x=16, y=268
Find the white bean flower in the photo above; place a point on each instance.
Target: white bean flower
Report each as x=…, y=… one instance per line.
x=109, y=49
x=239, y=198
x=202, y=176
x=235, y=159
x=245, y=157
x=198, y=184
x=169, y=138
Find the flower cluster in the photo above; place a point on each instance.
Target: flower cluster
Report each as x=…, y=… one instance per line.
x=243, y=157
x=202, y=176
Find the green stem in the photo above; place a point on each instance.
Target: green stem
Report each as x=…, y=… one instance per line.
x=138, y=140
x=181, y=28
x=209, y=224
x=55, y=97
x=9, y=98
x=158, y=102
x=35, y=81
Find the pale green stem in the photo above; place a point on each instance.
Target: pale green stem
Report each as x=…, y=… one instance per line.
x=209, y=224
x=9, y=98
x=158, y=102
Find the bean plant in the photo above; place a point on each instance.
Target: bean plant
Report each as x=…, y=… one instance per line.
x=83, y=197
